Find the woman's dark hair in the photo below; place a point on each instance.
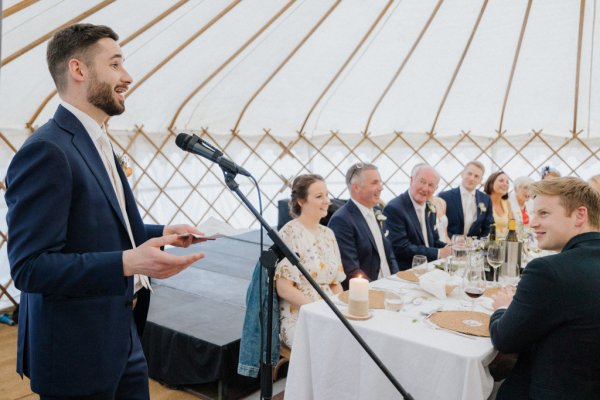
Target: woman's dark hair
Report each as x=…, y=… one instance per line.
x=73, y=41
x=489, y=184
x=300, y=191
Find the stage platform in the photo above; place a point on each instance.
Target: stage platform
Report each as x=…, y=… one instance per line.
x=195, y=320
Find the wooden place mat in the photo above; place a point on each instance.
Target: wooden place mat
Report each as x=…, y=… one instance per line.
x=407, y=275
x=453, y=320
x=375, y=298
x=489, y=292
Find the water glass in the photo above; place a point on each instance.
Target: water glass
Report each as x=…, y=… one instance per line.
x=392, y=301
x=419, y=265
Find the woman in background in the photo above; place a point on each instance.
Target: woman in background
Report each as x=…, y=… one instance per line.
x=317, y=249
x=496, y=187
x=520, y=203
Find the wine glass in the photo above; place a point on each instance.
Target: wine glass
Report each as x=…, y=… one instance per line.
x=495, y=257
x=419, y=265
x=473, y=284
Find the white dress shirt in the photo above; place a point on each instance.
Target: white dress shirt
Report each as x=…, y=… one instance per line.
x=420, y=210
x=369, y=215
x=469, y=207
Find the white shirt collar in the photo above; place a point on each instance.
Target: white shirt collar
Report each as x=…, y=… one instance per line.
x=90, y=125
x=417, y=206
x=366, y=212
x=465, y=192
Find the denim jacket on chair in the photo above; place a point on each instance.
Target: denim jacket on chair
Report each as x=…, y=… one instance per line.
x=250, y=360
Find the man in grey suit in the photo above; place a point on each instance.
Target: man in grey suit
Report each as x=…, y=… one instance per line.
x=553, y=320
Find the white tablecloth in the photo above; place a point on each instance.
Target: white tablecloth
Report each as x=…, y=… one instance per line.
x=328, y=363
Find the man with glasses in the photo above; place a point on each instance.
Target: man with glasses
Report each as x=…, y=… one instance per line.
x=411, y=220
x=357, y=225
x=469, y=210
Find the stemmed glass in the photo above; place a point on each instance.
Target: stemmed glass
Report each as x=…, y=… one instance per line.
x=474, y=283
x=495, y=257
x=419, y=265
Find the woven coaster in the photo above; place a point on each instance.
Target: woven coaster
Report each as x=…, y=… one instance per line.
x=489, y=292
x=375, y=298
x=407, y=275
x=453, y=320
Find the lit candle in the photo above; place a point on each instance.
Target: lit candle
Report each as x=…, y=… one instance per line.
x=359, y=289
x=358, y=299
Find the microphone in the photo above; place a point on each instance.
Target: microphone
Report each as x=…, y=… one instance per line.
x=195, y=145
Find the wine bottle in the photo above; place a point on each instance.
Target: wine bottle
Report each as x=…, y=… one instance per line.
x=513, y=253
x=492, y=233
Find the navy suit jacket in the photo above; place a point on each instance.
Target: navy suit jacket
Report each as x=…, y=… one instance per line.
x=66, y=239
x=456, y=217
x=357, y=245
x=405, y=231
x=553, y=323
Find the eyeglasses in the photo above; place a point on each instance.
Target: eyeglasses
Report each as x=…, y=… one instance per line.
x=356, y=167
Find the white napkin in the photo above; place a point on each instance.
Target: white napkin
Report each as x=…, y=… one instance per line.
x=434, y=282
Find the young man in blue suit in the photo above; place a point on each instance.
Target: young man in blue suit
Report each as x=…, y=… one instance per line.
x=78, y=249
x=553, y=320
x=411, y=220
x=469, y=210
x=357, y=225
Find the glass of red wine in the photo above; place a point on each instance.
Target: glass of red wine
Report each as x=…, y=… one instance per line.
x=474, y=283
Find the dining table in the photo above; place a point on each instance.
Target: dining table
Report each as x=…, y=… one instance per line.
x=429, y=361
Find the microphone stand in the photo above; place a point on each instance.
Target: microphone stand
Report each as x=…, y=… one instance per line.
x=271, y=257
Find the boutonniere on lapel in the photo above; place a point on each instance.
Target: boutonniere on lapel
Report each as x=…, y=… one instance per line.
x=380, y=218
x=482, y=208
x=124, y=162
x=430, y=208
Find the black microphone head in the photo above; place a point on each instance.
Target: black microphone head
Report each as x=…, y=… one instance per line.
x=182, y=140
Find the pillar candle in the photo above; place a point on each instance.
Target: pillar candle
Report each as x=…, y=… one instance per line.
x=359, y=289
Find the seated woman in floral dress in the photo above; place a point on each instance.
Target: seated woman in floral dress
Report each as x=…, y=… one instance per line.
x=317, y=248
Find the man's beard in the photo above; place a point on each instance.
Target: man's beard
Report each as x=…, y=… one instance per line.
x=100, y=94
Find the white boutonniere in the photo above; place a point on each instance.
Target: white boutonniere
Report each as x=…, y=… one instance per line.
x=124, y=162
x=380, y=218
x=430, y=208
x=482, y=207
x=387, y=232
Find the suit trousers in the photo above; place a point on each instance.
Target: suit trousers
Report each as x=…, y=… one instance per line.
x=133, y=384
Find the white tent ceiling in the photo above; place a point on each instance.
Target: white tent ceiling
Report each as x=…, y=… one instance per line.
x=318, y=66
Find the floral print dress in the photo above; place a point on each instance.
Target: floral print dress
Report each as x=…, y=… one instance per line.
x=320, y=256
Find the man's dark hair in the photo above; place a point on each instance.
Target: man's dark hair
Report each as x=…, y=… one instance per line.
x=73, y=41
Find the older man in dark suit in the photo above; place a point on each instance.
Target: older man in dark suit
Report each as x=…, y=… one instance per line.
x=77, y=247
x=553, y=320
x=469, y=210
x=411, y=220
x=357, y=225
